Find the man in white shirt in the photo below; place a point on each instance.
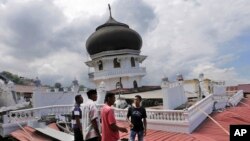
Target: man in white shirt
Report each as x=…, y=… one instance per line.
x=91, y=123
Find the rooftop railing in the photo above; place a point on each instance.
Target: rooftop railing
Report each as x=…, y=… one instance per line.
x=191, y=116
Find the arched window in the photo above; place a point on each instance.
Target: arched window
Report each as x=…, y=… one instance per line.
x=116, y=63
x=132, y=62
x=100, y=66
x=135, y=84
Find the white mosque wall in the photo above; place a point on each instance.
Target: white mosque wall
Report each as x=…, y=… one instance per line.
x=190, y=89
x=125, y=62
x=219, y=90
x=173, y=95
x=107, y=62
x=41, y=98
x=127, y=82
x=119, y=72
x=111, y=75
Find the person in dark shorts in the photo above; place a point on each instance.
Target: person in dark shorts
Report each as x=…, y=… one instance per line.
x=76, y=119
x=137, y=114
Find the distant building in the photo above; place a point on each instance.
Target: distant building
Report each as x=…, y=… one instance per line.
x=26, y=91
x=244, y=87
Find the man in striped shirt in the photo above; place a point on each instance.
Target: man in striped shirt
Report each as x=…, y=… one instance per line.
x=91, y=120
x=76, y=119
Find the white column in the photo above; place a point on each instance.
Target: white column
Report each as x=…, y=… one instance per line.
x=173, y=95
x=165, y=98
x=101, y=92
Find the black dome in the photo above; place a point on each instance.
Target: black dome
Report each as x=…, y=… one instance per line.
x=113, y=35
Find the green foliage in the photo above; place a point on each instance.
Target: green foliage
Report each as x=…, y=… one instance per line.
x=13, y=77
x=58, y=85
x=81, y=87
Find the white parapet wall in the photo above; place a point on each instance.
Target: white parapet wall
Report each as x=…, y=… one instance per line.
x=220, y=97
x=196, y=112
x=173, y=95
x=41, y=98
x=219, y=89
x=220, y=101
x=236, y=98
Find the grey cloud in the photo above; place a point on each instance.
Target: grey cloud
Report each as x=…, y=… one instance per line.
x=137, y=14
x=31, y=25
x=39, y=28
x=74, y=35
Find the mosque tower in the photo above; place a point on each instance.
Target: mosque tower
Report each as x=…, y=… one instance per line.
x=114, y=49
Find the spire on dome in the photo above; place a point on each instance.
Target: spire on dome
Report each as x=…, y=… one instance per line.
x=110, y=14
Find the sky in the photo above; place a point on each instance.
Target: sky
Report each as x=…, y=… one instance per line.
x=46, y=38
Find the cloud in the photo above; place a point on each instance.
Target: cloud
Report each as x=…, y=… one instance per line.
x=60, y=69
x=190, y=33
x=38, y=40
x=47, y=38
x=137, y=14
x=217, y=74
x=29, y=27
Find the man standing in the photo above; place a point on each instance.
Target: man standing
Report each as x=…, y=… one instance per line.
x=76, y=119
x=137, y=113
x=90, y=118
x=110, y=131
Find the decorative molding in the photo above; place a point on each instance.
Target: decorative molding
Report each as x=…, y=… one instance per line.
x=115, y=52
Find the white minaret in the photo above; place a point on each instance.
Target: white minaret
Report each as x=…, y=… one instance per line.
x=114, y=50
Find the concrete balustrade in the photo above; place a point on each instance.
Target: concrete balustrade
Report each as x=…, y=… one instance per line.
x=37, y=113
x=166, y=115
x=161, y=115
x=236, y=98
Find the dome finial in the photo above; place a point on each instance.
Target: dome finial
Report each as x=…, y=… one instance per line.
x=110, y=10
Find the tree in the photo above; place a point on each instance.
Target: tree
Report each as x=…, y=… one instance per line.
x=13, y=77
x=58, y=85
x=81, y=87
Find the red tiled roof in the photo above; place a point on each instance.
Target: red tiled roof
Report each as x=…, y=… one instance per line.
x=244, y=87
x=22, y=135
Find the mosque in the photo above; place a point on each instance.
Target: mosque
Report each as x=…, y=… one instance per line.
x=114, y=49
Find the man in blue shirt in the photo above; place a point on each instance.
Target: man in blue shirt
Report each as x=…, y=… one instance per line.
x=76, y=119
